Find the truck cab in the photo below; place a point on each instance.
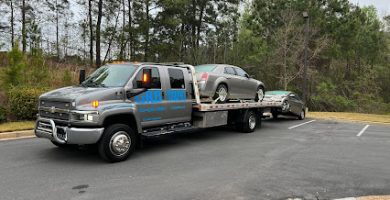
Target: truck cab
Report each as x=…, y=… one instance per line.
x=118, y=104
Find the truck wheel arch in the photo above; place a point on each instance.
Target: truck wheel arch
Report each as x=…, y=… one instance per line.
x=125, y=118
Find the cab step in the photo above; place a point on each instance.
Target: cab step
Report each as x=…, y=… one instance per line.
x=162, y=130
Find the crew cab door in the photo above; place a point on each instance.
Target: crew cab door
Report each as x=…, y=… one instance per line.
x=178, y=97
x=150, y=104
x=168, y=100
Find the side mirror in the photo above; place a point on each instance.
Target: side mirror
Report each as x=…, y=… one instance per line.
x=249, y=76
x=146, y=78
x=81, y=75
x=134, y=92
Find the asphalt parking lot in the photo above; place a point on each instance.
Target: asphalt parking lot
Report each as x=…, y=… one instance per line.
x=283, y=159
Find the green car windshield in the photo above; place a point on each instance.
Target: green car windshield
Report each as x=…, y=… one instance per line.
x=110, y=76
x=204, y=68
x=278, y=93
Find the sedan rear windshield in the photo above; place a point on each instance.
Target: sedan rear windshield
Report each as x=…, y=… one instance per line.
x=110, y=76
x=204, y=68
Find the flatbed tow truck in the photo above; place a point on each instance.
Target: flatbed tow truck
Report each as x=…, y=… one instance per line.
x=153, y=99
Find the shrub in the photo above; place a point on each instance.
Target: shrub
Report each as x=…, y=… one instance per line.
x=23, y=101
x=13, y=74
x=3, y=114
x=67, y=78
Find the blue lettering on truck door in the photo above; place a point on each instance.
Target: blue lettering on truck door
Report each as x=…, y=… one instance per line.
x=176, y=95
x=154, y=96
x=150, y=96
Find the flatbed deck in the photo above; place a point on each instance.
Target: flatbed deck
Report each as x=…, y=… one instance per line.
x=236, y=105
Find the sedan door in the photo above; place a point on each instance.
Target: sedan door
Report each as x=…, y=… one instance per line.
x=246, y=86
x=230, y=74
x=295, y=104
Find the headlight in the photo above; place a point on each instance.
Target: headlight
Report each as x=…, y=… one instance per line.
x=88, y=116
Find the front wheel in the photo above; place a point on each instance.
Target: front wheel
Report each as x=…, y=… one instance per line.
x=302, y=115
x=117, y=143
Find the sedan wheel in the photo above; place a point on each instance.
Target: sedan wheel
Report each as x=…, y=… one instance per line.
x=302, y=115
x=259, y=94
x=285, y=106
x=221, y=94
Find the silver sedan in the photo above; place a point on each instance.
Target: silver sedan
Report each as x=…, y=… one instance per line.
x=291, y=103
x=223, y=82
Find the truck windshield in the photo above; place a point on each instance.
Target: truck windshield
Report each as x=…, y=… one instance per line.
x=204, y=68
x=110, y=76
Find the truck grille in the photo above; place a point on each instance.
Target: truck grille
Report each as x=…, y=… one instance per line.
x=56, y=104
x=56, y=115
x=54, y=109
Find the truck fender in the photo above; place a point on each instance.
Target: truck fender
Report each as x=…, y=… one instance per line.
x=123, y=115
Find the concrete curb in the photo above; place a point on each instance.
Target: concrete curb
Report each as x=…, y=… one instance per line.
x=384, y=197
x=348, y=120
x=16, y=135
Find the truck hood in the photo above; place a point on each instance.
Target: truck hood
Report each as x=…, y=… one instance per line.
x=83, y=96
x=70, y=93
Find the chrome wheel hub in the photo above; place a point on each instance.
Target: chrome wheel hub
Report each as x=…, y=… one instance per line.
x=222, y=94
x=252, y=122
x=120, y=143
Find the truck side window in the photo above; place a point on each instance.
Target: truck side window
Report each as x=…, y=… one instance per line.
x=230, y=70
x=155, y=84
x=176, y=78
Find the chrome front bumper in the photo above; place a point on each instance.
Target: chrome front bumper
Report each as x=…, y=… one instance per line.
x=46, y=128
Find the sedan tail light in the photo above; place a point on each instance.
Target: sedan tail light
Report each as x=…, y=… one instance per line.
x=204, y=77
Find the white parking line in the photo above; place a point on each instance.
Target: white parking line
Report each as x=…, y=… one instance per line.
x=362, y=131
x=291, y=127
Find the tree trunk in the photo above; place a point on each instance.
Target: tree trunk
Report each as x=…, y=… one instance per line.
x=146, y=45
x=98, y=25
x=131, y=42
x=122, y=37
x=193, y=32
x=90, y=33
x=111, y=39
x=182, y=43
x=12, y=24
x=57, y=33
x=200, y=24
x=24, y=41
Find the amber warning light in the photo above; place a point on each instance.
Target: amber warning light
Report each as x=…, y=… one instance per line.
x=95, y=104
x=145, y=79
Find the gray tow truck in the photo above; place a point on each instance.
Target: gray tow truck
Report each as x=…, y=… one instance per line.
x=120, y=104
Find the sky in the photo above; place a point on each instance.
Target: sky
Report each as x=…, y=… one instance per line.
x=382, y=6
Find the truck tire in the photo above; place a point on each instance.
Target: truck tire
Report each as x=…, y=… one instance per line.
x=117, y=143
x=250, y=122
x=275, y=115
